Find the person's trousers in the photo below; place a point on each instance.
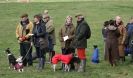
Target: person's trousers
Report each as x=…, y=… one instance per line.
x=50, y=44
x=82, y=56
x=25, y=47
x=41, y=54
x=81, y=53
x=51, y=48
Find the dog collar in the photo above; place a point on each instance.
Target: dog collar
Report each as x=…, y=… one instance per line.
x=9, y=54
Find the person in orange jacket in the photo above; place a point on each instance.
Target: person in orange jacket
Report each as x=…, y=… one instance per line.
x=23, y=31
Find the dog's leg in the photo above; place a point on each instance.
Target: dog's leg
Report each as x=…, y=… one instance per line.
x=54, y=67
x=19, y=70
x=22, y=70
x=66, y=67
x=14, y=68
x=69, y=66
x=9, y=66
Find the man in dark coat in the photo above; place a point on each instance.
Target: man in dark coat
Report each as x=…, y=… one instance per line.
x=81, y=36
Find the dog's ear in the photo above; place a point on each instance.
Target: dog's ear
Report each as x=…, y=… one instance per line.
x=8, y=50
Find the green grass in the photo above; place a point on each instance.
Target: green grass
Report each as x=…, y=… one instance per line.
x=60, y=0
x=95, y=12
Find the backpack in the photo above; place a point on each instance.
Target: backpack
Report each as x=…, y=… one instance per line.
x=88, y=32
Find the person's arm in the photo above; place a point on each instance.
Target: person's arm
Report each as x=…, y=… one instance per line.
x=50, y=26
x=17, y=32
x=117, y=32
x=124, y=35
x=43, y=33
x=73, y=34
x=60, y=35
x=82, y=31
x=30, y=29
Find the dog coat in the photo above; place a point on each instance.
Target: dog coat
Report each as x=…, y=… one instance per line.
x=95, y=56
x=18, y=66
x=64, y=58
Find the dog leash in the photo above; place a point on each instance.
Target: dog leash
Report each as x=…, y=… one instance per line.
x=27, y=53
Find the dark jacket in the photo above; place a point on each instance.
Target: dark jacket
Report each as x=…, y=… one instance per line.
x=80, y=35
x=104, y=32
x=40, y=38
x=129, y=39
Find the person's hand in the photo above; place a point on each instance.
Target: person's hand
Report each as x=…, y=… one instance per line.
x=20, y=39
x=122, y=43
x=23, y=38
x=31, y=34
x=31, y=43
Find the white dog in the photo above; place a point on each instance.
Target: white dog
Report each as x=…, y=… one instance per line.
x=19, y=65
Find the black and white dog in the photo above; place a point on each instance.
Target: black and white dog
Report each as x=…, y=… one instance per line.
x=14, y=63
x=11, y=58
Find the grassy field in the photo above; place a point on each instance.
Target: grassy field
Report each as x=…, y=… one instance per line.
x=95, y=12
x=59, y=0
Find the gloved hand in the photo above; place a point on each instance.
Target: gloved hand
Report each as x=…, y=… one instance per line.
x=24, y=38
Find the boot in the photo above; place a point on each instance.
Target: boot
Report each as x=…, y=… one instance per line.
x=41, y=63
x=82, y=66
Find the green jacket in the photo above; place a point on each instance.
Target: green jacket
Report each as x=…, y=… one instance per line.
x=80, y=35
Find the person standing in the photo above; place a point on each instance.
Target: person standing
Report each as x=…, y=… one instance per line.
x=40, y=40
x=66, y=37
x=82, y=33
x=51, y=34
x=111, y=45
x=67, y=30
x=104, y=34
x=23, y=30
x=122, y=37
x=129, y=39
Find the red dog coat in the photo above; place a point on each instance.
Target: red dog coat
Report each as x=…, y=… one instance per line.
x=64, y=58
x=18, y=66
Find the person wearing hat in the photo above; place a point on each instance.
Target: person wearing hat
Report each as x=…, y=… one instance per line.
x=24, y=28
x=40, y=40
x=82, y=33
x=45, y=12
x=51, y=34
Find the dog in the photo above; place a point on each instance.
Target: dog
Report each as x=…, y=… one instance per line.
x=95, y=55
x=14, y=63
x=11, y=58
x=75, y=63
x=19, y=65
x=66, y=60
